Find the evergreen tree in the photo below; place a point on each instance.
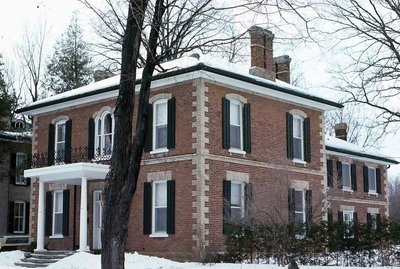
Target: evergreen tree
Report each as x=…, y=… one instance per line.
x=7, y=100
x=69, y=68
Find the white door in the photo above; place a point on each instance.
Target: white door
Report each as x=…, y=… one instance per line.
x=97, y=213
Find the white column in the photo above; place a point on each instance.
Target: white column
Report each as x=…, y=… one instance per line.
x=83, y=217
x=41, y=219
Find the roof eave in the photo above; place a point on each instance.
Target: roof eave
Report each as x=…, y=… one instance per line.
x=363, y=155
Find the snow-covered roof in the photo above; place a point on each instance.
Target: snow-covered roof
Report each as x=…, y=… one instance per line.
x=180, y=66
x=345, y=147
x=16, y=136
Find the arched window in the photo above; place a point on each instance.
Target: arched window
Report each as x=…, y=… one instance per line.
x=104, y=134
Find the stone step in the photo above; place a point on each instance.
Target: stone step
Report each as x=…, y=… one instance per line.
x=55, y=252
x=48, y=256
x=41, y=261
x=30, y=265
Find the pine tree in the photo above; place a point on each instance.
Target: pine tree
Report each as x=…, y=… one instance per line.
x=6, y=99
x=69, y=68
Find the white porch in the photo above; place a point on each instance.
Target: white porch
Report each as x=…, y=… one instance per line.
x=72, y=174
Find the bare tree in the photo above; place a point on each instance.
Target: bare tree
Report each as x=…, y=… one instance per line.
x=394, y=198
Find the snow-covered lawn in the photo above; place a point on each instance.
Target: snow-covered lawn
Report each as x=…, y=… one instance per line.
x=137, y=261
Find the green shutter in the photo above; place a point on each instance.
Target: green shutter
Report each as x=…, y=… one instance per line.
x=225, y=124
x=365, y=175
x=248, y=191
x=148, y=146
x=309, y=213
x=329, y=168
x=369, y=221
x=50, y=145
x=27, y=209
x=340, y=216
x=247, y=128
x=378, y=222
x=49, y=209
x=353, y=177
x=13, y=166
x=289, y=135
x=171, y=206
x=291, y=206
x=147, y=208
x=339, y=174
x=226, y=204
x=330, y=217
x=307, y=140
x=355, y=225
x=68, y=145
x=65, y=225
x=378, y=181
x=91, y=134
x=11, y=217
x=171, y=119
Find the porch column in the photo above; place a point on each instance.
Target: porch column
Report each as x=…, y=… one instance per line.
x=83, y=217
x=41, y=219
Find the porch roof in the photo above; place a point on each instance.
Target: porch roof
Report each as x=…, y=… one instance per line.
x=69, y=173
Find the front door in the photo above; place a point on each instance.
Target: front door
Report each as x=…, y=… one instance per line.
x=97, y=214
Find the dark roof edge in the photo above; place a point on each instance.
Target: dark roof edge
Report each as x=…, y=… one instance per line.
x=200, y=66
x=15, y=138
x=369, y=156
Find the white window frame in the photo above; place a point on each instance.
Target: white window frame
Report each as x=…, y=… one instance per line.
x=298, y=117
x=240, y=104
x=241, y=183
x=303, y=200
x=346, y=188
x=20, y=158
x=20, y=218
x=99, y=140
x=350, y=224
x=55, y=193
x=153, y=202
x=56, y=142
x=369, y=181
x=154, y=136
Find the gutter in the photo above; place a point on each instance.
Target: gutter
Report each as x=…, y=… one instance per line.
x=364, y=155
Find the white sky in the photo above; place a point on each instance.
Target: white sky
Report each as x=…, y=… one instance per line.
x=18, y=15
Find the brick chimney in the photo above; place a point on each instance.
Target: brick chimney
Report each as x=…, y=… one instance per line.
x=341, y=131
x=282, y=65
x=262, y=60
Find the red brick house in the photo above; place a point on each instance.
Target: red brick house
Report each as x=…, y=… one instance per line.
x=220, y=139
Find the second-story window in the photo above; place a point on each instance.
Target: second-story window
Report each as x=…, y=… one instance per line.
x=346, y=177
x=298, y=137
x=235, y=125
x=160, y=121
x=372, y=180
x=104, y=134
x=20, y=159
x=60, y=141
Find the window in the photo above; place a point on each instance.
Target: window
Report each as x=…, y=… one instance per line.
x=160, y=207
x=373, y=221
x=60, y=141
x=160, y=131
x=348, y=220
x=237, y=201
x=19, y=124
x=19, y=217
x=346, y=176
x=20, y=164
x=299, y=207
x=58, y=213
x=235, y=125
x=104, y=134
x=372, y=180
x=298, y=152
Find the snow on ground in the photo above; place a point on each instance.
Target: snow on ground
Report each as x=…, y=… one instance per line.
x=137, y=261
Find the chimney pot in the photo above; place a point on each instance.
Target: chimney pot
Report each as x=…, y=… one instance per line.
x=341, y=131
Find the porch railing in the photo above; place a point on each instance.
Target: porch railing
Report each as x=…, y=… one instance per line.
x=73, y=155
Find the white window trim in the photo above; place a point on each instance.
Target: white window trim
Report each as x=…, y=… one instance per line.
x=346, y=188
x=242, y=184
x=23, y=217
x=351, y=213
x=153, y=207
x=165, y=149
x=99, y=139
x=18, y=168
x=54, y=235
x=237, y=150
x=372, y=192
x=56, y=142
x=303, y=200
x=301, y=160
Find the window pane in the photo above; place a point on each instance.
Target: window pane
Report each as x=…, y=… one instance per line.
x=107, y=144
x=58, y=223
x=99, y=126
x=161, y=136
x=236, y=214
x=346, y=175
x=58, y=202
x=235, y=137
x=297, y=127
x=161, y=219
x=299, y=217
x=298, y=201
x=61, y=132
x=297, y=152
x=161, y=113
x=161, y=194
x=372, y=179
x=60, y=150
x=236, y=194
x=234, y=113
x=107, y=124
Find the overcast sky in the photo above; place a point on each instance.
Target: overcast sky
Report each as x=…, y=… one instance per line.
x=16, y=16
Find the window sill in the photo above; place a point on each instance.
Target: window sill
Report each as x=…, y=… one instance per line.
x=158, y=235
x=18, y=232
x=347, y=190
x=157, y=151
x=373, y=193
x=237, y=151
x=56, y=236
x=299, y=161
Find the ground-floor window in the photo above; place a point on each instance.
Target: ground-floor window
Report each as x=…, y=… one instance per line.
x=58, y=213
x=19, y=217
